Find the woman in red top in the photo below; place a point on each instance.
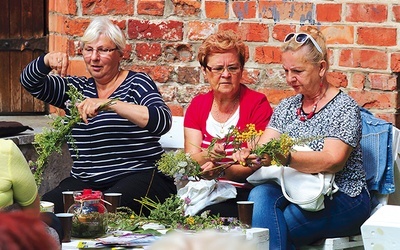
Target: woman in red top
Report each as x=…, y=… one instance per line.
x=228, y=103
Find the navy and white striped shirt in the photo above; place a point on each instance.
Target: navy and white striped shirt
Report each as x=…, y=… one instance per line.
x=109, y=146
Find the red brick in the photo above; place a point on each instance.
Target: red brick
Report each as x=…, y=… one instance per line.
x=249, y=32
x=395, y=62
x=338, y=34
x=330, y=12
x=178, y=52
x=250, y=76
x=358, y=81
x=127, y=52
x=396, y=13
x=285, y=10
x=67, y=7
x=244, y=9
x=377, y=36
x=159, y=74
x=363, y=59
x=109, y=7
x=388, y=117
x=189, y=75
x=361, y=12
x=76, y=26
x=57, y=23
x=58, y=43
x=280, y=31
x=337, y=79
x=151, y=7
x=187, y=8
x=383, y=81
x=275, y=96
x=73, y=48
x=148, y=51
x=199, y=30
x=168, y=92
x=176, y=109
x=164, y=30
x=375, y=99
x=214, y=9
x=77, y=68
x=267, y=54
x=187, y=92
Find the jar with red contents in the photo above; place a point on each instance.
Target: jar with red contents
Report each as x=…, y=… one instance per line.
x=89, y=218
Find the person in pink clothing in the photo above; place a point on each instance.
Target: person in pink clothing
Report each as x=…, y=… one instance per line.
x=228, y=103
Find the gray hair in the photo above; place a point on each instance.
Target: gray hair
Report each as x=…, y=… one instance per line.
x=103, y=25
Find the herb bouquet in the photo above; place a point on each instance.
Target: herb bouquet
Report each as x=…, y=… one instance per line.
x=52, y=139
x=170, y=214
x=179, y=165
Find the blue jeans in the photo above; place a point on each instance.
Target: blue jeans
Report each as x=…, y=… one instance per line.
x=290, y=226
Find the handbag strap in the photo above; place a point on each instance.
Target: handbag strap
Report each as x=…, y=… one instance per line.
x=299, y=202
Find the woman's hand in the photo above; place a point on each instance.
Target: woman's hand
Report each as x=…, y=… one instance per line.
x=211, y=171
x=90, y=107
x=58, y=61
x=217, y=152
x=245, y=158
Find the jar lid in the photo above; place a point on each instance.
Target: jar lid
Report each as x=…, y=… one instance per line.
x=88, y=194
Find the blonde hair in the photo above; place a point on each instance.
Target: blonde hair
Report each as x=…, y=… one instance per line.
x=314, y=56
x=221, y=42
x=102, y=25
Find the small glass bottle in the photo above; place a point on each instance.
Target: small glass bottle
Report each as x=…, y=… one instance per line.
x=89, y=218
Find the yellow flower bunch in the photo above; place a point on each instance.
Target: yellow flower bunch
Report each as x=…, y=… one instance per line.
x=249, y=135
x=237, y=138
x=279, y=146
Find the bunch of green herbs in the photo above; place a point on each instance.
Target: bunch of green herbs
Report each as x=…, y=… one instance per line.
x=171, y=214
x=51, y=139
x=279, y=147
x=178, y=164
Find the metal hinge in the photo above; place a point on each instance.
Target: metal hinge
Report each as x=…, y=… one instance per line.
x=23, y=44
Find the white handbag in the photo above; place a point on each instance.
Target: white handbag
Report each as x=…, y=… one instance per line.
x=306, y=190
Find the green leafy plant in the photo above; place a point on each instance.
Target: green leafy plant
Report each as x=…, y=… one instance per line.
x=178, y=164
x=51, y=139
x=171, y=213
x=278, y=146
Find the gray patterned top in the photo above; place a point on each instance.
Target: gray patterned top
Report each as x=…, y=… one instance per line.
x=339, y=119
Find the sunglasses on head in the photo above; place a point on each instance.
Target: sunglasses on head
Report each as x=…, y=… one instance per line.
x=302, y=38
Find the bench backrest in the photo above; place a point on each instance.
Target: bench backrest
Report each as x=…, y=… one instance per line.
x=174, y=138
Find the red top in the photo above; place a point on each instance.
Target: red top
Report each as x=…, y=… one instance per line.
x=254, y=109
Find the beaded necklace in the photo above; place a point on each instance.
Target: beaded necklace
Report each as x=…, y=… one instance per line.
x=304, y=117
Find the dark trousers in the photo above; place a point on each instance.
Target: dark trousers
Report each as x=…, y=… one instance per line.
x=150, y=183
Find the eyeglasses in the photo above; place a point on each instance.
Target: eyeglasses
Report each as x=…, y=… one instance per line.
x=219, y=69
x=86, y=52
x=302, y=38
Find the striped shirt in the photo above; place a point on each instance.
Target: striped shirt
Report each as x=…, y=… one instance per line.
x=109, y=147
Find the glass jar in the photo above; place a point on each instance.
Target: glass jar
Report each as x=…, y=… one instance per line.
x=89, y=218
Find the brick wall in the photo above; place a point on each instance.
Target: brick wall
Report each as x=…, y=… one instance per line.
x=163, y=37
